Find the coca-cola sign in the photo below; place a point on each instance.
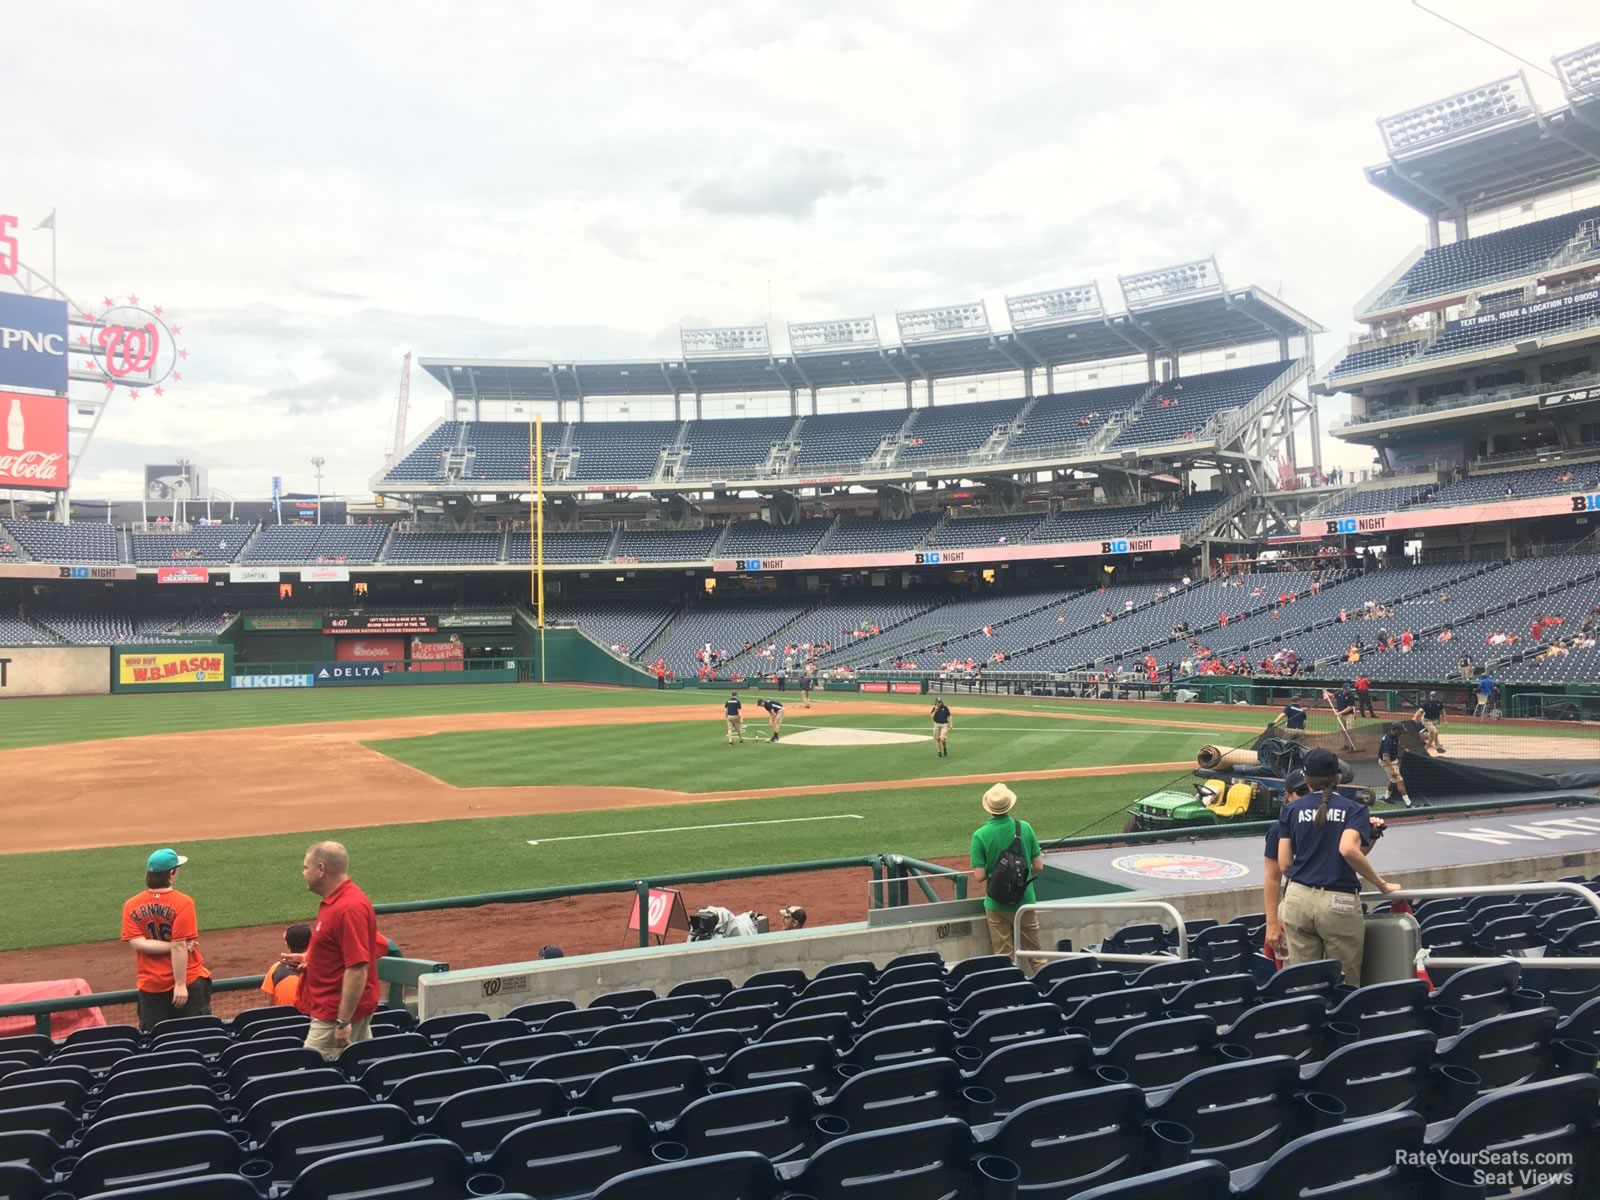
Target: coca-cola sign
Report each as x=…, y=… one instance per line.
x=33, y=441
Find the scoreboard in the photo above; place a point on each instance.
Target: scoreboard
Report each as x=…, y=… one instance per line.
x=380, y=623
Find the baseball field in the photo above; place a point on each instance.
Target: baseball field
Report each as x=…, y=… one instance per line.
x=450, y=791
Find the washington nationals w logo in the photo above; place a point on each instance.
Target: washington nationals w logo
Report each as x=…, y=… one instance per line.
x=129, y=351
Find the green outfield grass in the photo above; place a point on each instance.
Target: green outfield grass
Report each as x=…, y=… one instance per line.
x=51, y=721
x=693, y=756
x=255, y=881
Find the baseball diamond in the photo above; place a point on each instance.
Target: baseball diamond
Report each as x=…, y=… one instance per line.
x=1095, y=721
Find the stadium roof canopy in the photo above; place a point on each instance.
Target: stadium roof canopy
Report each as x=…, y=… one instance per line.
x=1166, y=327
x=1492, y=145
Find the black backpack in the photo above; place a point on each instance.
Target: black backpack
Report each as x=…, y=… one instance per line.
x=1008, y=878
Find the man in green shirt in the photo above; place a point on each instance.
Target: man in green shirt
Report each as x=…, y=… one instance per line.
x=989, y=841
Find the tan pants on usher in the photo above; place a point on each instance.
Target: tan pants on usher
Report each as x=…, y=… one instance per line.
x=320, y=1037
x=1000, y=939
x=1320, y=925
x=736, y=728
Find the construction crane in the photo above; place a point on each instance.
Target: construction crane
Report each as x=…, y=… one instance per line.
x=402, y=405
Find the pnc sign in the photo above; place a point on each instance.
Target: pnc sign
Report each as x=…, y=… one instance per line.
x=33, y=342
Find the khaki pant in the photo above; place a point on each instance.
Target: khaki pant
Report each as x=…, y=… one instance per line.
x=1321, y=925
x=736, y=728
x=1392, y=770
x=320, y=1037
x=1000, y=940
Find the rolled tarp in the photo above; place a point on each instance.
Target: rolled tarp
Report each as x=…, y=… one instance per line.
x=1214, y=758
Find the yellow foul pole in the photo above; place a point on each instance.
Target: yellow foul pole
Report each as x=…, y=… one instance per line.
x=538, y=524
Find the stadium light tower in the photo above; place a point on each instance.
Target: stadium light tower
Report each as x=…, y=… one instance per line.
x=316, y=463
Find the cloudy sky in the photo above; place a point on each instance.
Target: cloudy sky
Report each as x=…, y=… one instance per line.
x=313, y=189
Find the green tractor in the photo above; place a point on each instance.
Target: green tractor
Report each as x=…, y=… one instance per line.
x=1209, y=801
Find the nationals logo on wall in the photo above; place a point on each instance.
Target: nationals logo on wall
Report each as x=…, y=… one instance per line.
x=33, y=441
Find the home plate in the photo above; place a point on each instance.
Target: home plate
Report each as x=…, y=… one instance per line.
x=850, y=737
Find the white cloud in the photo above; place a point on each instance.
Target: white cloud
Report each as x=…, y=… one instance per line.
x=316, y=189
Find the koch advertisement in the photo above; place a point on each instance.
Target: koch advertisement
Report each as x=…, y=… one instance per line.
x=33, y=441
x=274, y=681
x=33, y=342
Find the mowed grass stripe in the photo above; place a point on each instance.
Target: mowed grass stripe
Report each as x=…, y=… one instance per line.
x=255, y=881
x=693, y=756
x=45, y=721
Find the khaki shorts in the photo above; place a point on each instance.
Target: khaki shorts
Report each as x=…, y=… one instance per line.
x=1320, y=924
x=1430, y=731
x=735, y=726
x=940, y=732
x=320, y=1037
x=1392, y=770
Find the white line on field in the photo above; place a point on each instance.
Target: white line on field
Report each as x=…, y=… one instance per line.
x=583, y=837
x=985, y=727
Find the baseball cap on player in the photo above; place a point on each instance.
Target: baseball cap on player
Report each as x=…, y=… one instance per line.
x=997, y=801
x=164, y=860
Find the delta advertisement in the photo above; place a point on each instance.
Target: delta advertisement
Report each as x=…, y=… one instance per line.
x=33, y=342
x=967, y=556
x=33, y=441
x=1456, y=515
x=139, y=670
x=340, y=674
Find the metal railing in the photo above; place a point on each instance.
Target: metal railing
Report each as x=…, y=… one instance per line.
x=1160, y=906
x=1424, y=959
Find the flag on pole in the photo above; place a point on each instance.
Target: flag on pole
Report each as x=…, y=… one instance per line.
x=48, y=223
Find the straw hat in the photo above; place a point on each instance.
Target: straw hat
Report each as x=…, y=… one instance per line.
x=997, y=801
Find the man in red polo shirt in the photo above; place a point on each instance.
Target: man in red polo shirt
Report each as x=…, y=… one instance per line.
x=339, y=990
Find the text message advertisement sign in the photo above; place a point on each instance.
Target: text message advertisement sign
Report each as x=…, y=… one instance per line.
x=33, y=342
x=33, y=441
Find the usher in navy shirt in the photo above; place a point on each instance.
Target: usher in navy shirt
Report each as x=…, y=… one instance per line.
x=1317, y=861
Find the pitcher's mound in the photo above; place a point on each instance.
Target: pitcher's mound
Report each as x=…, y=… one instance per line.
x=849, y=737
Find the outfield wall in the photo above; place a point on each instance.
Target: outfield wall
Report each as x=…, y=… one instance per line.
x=54, y=671
x=570, y=656
x=171, y=667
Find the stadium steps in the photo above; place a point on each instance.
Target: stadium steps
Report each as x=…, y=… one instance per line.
x=17, y=548
x=775, y=636
x=716, y=546
x=611, y=546
x=948, y=634
x=646, y=649
x=1230, y=427
x=1215, y=519
x=839, y=654
x=934, y=528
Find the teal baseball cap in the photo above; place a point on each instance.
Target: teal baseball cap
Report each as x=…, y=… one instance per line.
x=164, y=860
